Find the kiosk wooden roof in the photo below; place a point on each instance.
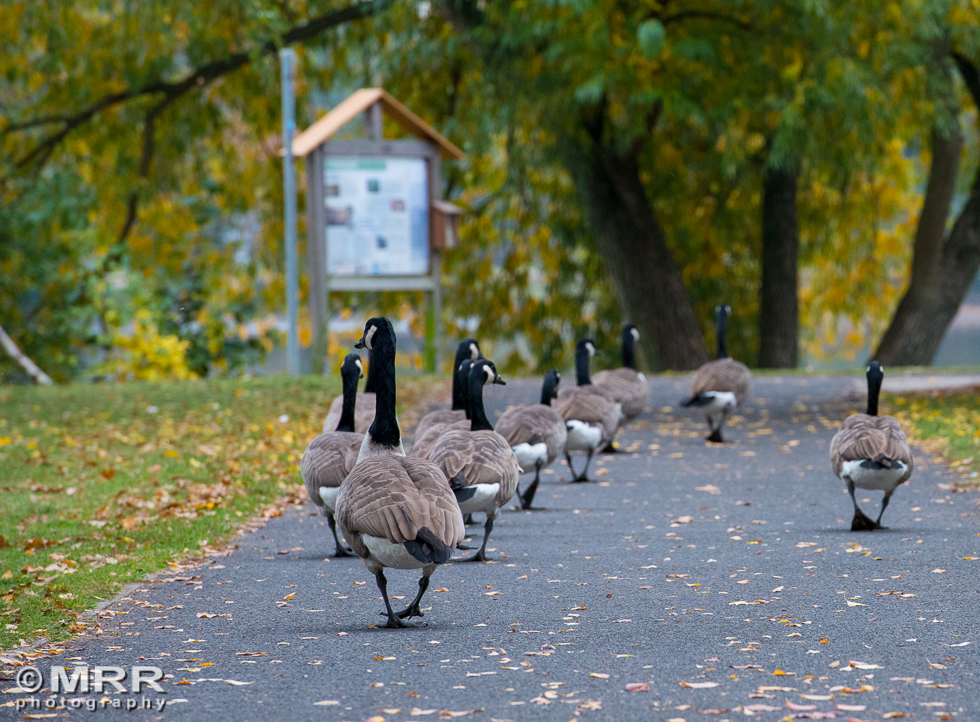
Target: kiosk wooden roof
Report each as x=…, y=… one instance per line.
x=357, y=103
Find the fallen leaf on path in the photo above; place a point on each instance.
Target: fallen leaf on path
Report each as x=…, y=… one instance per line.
x=700, y=685
x=863, y=665
x=600, y=675
x=852, y=707
x=326, y=703
x=638, y=687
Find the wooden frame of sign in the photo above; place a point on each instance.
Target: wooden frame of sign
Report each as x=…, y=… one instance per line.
x=315, y=145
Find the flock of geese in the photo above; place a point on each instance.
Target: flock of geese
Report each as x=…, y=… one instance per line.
x=406, y=511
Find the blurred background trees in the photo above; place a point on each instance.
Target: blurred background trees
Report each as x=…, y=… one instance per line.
x=814, y=164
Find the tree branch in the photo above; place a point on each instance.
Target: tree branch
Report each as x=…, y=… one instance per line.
x=706, y=15
x=21, y=358
x=201, y=76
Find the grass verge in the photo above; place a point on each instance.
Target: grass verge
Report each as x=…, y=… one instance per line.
x=105, y=484
x=945, y=423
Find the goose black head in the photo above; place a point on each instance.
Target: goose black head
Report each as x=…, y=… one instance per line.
x=630, y=336
x=467, y=350
x=722, y=313
x=584, y=350
x=350, y=371
x=488, y=371
x=549, y=390
x=876, y=374
x=352, y=366
x=374, y=330
x=481, y=373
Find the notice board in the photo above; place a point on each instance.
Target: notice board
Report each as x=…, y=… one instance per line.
x=377, y=216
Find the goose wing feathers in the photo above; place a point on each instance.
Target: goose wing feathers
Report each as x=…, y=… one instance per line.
x=723, y=375
x=363, y=413
x=394, y=498
x=441, y=416
x=533, y=425
x=422, y=444
x=468, y=458
x=591, y=405
x=627, y=386
x=328, y=460
x=878, y=438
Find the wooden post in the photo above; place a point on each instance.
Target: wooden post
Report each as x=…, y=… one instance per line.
x=433, y=316
x=316, y=249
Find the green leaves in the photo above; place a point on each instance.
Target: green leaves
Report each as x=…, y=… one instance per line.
x=651, y=37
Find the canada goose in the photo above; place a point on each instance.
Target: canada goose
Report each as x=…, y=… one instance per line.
x=479, y=463
x=871, y=452
x=330, y=456
x=468, y=349
x=721, y=386
x=591, y=415
x=536, y=433
x=626, y=385
x=395, y=511
x=363, y=411
x=422, y=442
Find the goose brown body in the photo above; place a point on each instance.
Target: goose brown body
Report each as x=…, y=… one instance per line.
x=328, y=460
x=627, y=387
x=878, y=438
x=591, y=405
x=725, y=375
x=534, y=424
x=472, y=458
x=400, y=499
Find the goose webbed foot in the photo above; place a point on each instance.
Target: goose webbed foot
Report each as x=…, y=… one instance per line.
x=861, y=522
x=528, y=496
x=610, y=449
x=341, y=551
x=393, y=621
x=715, y=436
x=412, y=610
x=584, y=476
x=481, y=555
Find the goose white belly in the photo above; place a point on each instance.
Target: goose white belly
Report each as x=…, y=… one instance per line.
x=328, y=495
x=484, y=499
x=529, y=455
x=872, y=479
x=395, y=556
x=720, y=401
x=582, y=436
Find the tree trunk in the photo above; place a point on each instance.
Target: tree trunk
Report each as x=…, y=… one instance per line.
x=942, y=269
x=642, y=270
x=778, y=303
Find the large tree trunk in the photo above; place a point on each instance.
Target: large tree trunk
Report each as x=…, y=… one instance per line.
x=642, y=270
x=941, y=272
x=778, y=305
x=943, y=267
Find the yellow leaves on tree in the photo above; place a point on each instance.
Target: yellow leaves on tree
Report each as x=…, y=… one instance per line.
x=146, y=355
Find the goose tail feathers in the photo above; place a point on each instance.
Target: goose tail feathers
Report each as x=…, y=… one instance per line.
x=427, y=548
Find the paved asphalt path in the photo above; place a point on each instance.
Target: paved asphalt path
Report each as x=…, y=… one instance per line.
x=723, y=576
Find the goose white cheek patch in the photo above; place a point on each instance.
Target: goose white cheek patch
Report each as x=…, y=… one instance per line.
x=636, y=334
x=369, y=335
x=489, y=374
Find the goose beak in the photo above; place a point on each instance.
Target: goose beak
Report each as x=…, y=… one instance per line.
x=361, y=344
x=499, y=380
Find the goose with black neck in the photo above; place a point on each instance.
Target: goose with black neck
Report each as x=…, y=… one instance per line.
x=591, y=415
x=720, y=387
x=536, y=433
x=871, y=452
x=364, y=408
x=481, y=467
x=626, y=385
x=330, y=456
x=468, y=349
x=395, y=512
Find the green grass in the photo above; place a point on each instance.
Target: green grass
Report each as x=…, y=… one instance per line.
x=947, y=424
x=99, y=489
